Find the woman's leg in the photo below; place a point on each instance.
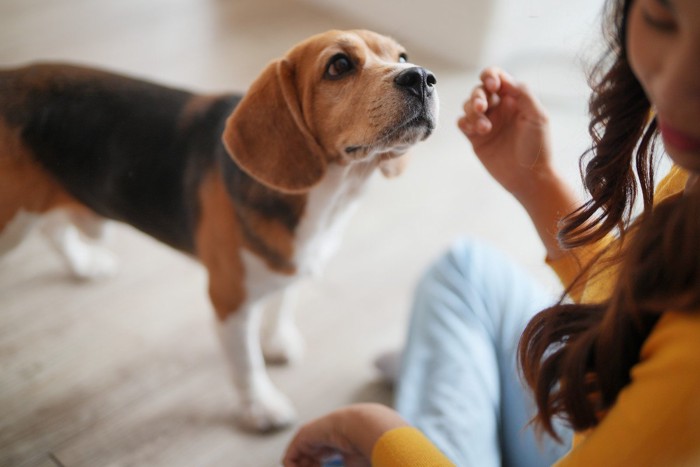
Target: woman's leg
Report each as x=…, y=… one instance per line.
x=458, y=381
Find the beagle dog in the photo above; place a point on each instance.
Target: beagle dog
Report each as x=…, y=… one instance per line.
x=256, y=187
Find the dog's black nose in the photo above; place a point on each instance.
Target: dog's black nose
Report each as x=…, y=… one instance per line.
x=417, y=81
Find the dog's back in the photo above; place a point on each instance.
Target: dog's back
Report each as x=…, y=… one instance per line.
x=129, y=150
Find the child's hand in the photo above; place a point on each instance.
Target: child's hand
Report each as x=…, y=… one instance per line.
x=509, y=131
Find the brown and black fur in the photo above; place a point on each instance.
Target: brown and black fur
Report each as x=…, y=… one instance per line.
x=130, y=150
x=135, y=152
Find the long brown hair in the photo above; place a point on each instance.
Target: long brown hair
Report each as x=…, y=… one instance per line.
x=623, y=138
x=577, y=357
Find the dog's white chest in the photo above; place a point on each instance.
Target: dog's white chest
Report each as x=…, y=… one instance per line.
x=329, y=208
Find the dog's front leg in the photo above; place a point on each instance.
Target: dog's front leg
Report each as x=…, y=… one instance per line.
x=282, y=343
x=262, y=406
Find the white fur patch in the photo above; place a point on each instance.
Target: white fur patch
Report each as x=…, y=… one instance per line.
x=16, y=230
x=330, y=206
x=85, y=259
x=282, y=343
x=260, y=280
x=262, y=406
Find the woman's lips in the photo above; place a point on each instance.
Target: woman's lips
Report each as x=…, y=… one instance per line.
x=678, y=139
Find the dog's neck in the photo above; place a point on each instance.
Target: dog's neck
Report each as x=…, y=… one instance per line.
x=328, y=209
x=295, y=233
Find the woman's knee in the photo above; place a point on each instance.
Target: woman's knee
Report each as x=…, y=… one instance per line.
x=474, y=280
x=450, y=284
x=465, y=262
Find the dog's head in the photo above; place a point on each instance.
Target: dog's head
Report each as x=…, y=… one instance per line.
x=338, y=97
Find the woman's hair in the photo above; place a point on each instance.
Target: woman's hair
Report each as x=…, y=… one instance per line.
x=576, y=357
x=623, y=132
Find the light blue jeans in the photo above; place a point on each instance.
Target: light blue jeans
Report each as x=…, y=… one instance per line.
x=459, y=381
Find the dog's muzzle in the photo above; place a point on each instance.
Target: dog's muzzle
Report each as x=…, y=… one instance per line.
x=415, y=119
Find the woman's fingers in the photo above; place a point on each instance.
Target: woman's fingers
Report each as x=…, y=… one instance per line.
x=495, y=100
x=495, y=83
x=491, y=79
x=504, y=85
x=475, y=120
x=478, y=101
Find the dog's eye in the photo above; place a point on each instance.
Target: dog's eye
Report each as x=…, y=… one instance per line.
x=403, y=58
x=338, y=66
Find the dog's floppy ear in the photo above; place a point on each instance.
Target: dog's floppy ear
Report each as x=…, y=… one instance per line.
x=267, y=137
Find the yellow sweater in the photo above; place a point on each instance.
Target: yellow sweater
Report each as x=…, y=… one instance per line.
x=656, y=419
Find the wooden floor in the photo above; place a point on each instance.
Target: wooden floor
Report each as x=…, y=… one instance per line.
x=127, y=371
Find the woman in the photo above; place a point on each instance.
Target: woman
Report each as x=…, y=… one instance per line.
x=621, y=365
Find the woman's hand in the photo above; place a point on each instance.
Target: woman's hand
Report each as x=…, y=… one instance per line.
x=351, y=431
x=509, y=131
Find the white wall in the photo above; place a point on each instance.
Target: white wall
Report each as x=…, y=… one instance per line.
x=473, y=33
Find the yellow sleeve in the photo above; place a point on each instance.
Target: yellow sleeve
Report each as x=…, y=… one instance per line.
x=569, y=266
x=407, y=446
x=655, y=421
x=597, y=286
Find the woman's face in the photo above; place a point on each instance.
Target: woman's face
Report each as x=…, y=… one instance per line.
x=663, y=47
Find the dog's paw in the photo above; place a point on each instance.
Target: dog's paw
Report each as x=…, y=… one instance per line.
x=265, y=414
x=284, y=346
